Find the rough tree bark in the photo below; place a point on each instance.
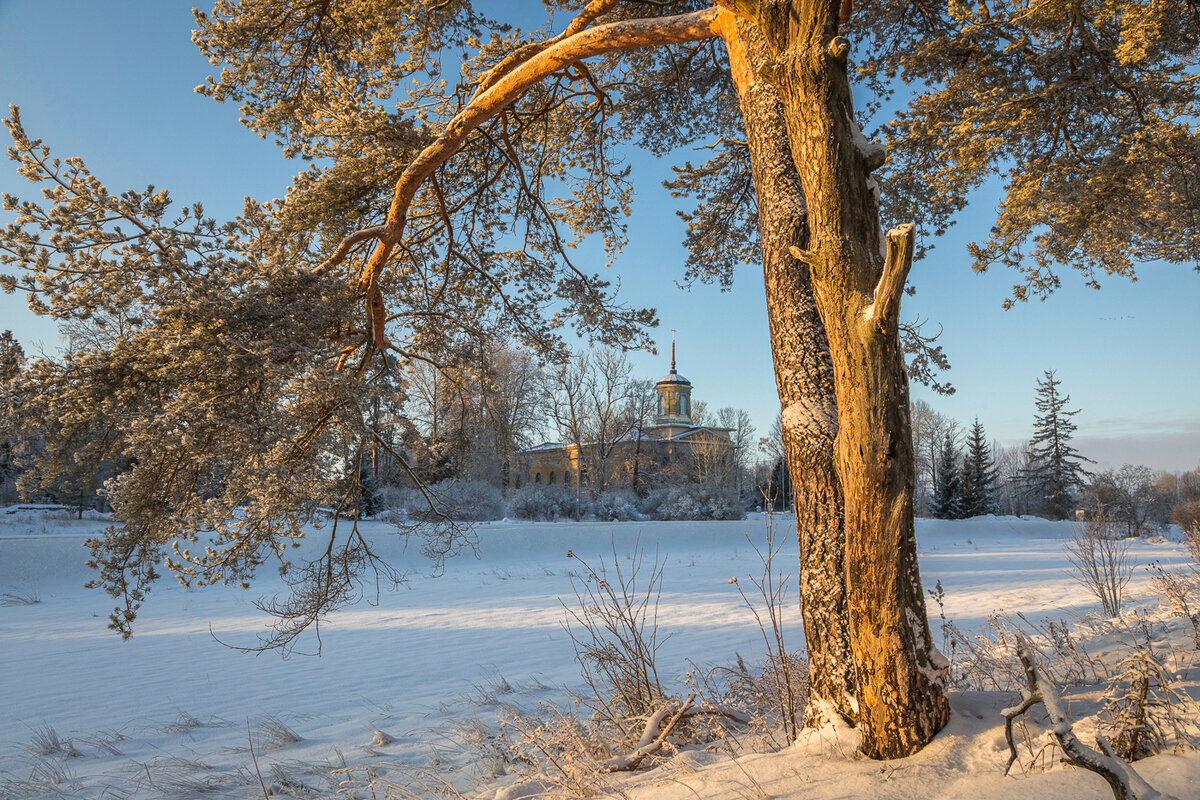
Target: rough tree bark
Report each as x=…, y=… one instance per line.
x=803, y=377
x=902, y=703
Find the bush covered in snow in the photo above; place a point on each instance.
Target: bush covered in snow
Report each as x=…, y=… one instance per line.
x=540, y=503
x=615, y=505
x=692, y=501
x=470, y=501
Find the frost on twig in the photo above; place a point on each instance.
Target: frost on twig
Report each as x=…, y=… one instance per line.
x=1125, y=783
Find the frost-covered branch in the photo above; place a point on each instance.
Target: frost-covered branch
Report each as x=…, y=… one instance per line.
x=650, y=743
x=1125, y=783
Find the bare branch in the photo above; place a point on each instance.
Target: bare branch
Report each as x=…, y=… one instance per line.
x=1125, y=783
x=886, y=306
x=608, y=38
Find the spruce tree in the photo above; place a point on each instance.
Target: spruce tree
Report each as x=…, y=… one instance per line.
x=948, y=492
x=978, y=475
x=1056, y=468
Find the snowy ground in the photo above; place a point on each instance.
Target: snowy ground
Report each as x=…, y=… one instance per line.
x=171, y=713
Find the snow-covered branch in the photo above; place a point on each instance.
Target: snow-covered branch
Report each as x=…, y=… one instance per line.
x=1125, y=783
x=650, y=743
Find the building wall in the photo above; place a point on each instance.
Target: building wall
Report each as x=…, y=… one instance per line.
x=705, y=455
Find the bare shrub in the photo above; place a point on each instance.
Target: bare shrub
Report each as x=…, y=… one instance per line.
x=986, y=661
x=1100, y=561
x=788, y=683
x=1181, y=586
x=750, y=695
x=562, y=749
x=1142, y=715
x=614, y=628
x=1187, y=516
x=624, y=720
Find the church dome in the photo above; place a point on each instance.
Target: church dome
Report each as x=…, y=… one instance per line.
x=673, y=377
x=674, y=396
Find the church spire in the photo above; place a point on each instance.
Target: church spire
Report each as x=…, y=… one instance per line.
x=672, y=349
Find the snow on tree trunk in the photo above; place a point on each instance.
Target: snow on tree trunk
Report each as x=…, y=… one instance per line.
x=902, y=703
x=803, y=376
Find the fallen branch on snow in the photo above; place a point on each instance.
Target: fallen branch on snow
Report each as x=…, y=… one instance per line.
x=652, y=739
x=1125, y=783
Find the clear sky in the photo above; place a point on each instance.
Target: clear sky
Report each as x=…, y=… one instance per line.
x=112, y=82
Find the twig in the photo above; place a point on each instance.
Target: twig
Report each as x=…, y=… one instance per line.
x=254, y=758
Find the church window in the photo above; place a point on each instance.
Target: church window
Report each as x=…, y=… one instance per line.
x=537, y=478
x=551, y=477
x=683, y=401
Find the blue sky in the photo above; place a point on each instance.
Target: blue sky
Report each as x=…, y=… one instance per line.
x=112, y=82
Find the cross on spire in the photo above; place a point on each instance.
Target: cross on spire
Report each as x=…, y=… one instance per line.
x=672, y=349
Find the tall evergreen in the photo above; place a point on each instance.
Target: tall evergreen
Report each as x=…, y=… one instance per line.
x=1056, y=469
x=947, y=494
x=12, y=360
x=12, y=356
x=978, y=475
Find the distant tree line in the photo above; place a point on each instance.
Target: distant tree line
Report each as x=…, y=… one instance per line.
x=960, y=474
x=457, y=418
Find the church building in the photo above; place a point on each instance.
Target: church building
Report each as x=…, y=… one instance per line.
x=668, y=451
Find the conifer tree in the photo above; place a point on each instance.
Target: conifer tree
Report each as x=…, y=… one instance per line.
x=948, y=493
x=12, y=359
x=1056, y=471
x=978, y=475
x=12, y=356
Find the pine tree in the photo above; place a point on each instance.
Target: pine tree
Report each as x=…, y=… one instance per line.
x=12, y=356
x=12, y=360
x=948, y=492
x=978, y=475
x=1056, y=470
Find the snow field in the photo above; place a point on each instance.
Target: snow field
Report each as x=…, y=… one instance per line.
x=172, y=712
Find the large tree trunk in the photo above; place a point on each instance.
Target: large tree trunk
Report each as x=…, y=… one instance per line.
x=902, y=701
x=803, y=376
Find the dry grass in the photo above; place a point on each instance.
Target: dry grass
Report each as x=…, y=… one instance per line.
x=273, y=734
x=17, y=598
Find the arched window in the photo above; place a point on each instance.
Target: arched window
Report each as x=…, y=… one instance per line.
x=551, y=477
x=567, y=477
x=683, y=401
x=537, y=478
